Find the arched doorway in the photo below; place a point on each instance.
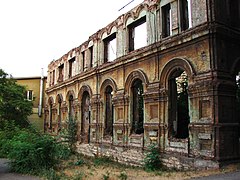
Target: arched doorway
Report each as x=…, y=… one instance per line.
x=50, y=114
x=178, y=104
x=137, y=107
x=70, y=107
x=85, y=124
x=108, y=130
x=59, y=112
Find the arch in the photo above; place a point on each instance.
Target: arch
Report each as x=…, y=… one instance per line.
x=108, y=82
x=59, y=98
x=69, y=93
x=173, y=65
x=140, y=9
x=108, y=121
x=136, y=74
x=82, y=90
x=50, y=100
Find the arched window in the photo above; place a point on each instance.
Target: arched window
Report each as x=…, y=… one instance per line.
x=137, y=107
x=59, y=113
x=50, y=114
x=108, y=111
x=70, y=107
x=178, y=104
x=85, y=128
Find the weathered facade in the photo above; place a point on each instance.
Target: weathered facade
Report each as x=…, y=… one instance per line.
x=164, y=73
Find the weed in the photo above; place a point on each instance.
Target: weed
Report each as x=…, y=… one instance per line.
x=152, y=160
x=106, y=176
x=79, y=162
x=123, y=176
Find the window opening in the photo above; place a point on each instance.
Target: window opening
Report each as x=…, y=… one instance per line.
x=137, y=34
x=108, y=111
x=178, y=105
x=166, y=21
x=110, y=47
x=29, y=95
x=185, y=14
x=70, y=106
x=71, y=63
x=85, y=128
x=238, y=99
x=83, y=61
x=137, y=107
x=59, y=114
x=50, y=115
x=91, y=56
x=60, y=73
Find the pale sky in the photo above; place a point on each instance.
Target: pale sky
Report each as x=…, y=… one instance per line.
x=34, y=32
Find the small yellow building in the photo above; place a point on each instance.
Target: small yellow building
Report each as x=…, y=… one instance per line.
x=35, y=87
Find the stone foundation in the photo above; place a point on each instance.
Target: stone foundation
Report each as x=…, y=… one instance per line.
x=134, y=157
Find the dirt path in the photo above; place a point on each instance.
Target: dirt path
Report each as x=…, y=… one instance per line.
x=6, y=174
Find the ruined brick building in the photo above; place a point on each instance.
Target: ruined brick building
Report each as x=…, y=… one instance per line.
x=164, y=72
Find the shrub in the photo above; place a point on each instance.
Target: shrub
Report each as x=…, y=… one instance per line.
x=31, y=152
x=69, y=135
x=152, y=160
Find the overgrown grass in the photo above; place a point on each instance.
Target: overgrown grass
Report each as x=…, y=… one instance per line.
x=31, y=152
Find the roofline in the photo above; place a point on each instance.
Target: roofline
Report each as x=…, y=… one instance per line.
x=33, y=77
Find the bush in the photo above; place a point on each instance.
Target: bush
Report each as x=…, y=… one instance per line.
x=152, y=160
x=31, y=152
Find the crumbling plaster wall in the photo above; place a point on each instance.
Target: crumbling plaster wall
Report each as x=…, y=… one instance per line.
x=190, y=50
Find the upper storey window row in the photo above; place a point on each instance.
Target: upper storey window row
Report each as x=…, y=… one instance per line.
x=119, y=38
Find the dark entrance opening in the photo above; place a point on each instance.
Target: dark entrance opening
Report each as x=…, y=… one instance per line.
x=108, y=112
x=178, y=104
x=137, y=107
x=85, y=128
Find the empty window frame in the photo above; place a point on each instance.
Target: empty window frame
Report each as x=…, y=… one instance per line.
x=71, y=63
x=178, y=105
x=70, y=107
x=137, y=107
x=166, y=21
x=137, y=34
x=185, y=14
x=29, y=95
x=108, y=130
x=53, y=77
x=91, y=56
x=110, y=47
x=83, y=61
x=238, y=98
x=60, y=73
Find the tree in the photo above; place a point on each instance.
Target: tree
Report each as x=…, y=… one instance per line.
x=13, y=104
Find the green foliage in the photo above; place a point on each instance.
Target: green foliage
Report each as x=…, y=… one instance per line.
x=79, y=162
x=102, y=161
x=69, y=135
x=13, y=105
x=106, y=176
x=30, y=152
x=152, y=160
